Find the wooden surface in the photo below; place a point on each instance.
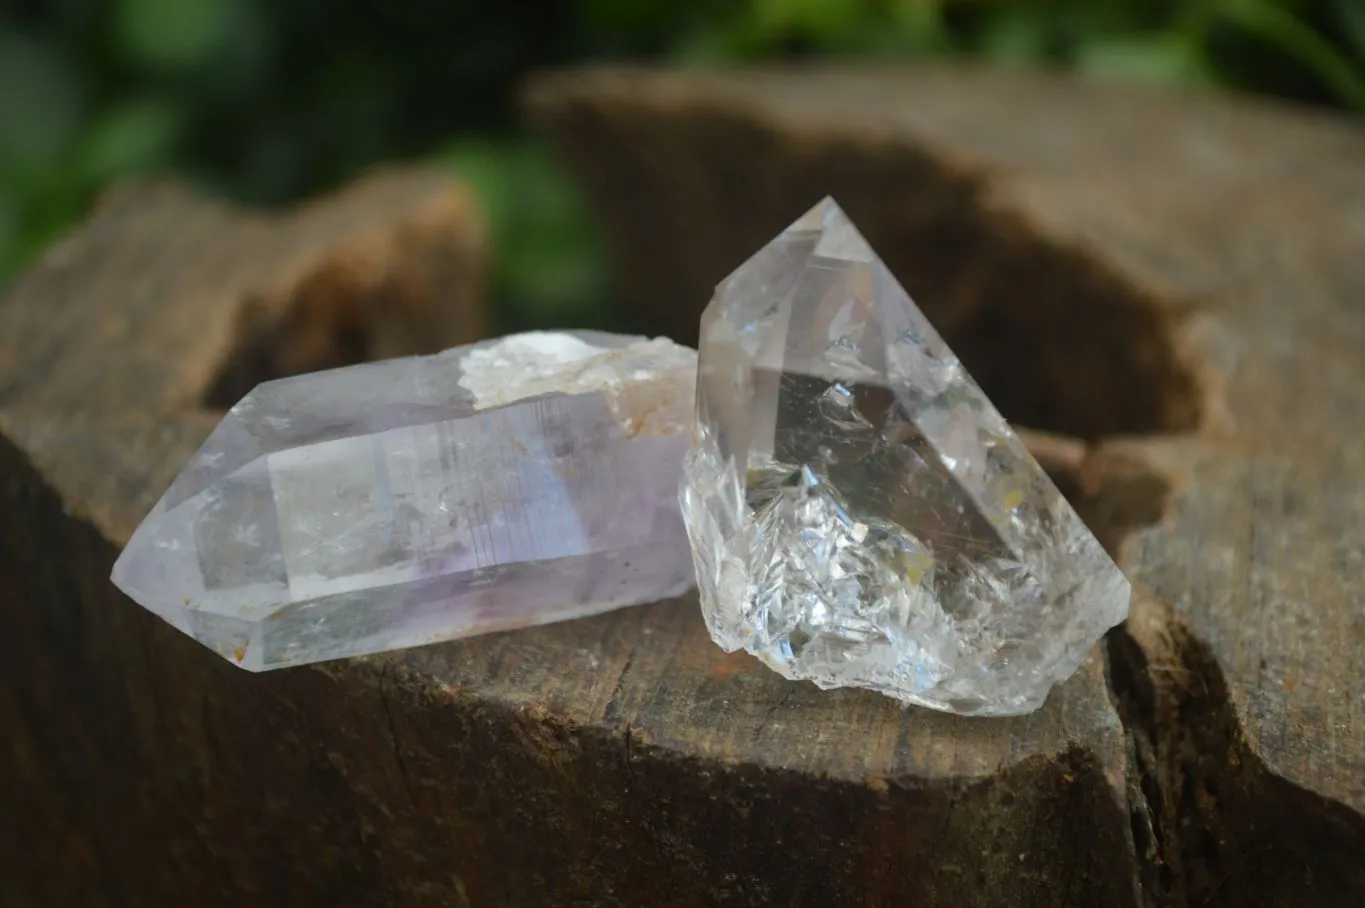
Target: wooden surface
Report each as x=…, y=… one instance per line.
x=1177, y=277
x=621, y=760
x=1170, y=277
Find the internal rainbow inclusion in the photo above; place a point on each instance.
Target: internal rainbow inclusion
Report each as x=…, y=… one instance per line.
x=860, y=514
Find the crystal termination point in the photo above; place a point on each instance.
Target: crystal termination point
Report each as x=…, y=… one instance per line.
x=860, y=514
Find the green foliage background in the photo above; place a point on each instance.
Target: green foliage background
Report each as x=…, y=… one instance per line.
x=269, y=100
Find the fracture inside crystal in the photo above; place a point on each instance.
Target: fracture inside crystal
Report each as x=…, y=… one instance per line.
x=859, y=513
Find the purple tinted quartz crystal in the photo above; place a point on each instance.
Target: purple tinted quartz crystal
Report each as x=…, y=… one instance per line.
x=514, y=482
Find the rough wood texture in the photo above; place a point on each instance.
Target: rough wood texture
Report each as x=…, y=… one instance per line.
x=1180, y=269
x=622, y=760
x=1110, y=262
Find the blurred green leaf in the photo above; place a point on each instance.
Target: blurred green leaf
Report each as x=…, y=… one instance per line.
x=240, y=59
x=172, y=34
x=40, y=102
x=485, y=166
x=1016, y=34
x=271, y=100
x=1351, y=14
x=132, y=137
x=45, y=200
x=549, y=258
x=9, y=230
x=1275, y=24
x=1157, y=59
x=919, y=24
x=817, y=19
x=625, y=17
x=729, y=41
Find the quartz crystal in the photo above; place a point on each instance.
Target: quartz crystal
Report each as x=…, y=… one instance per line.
x=509, y=483
x=860, y=515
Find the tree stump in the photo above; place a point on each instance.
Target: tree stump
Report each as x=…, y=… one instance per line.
x=623, y=759
x=1175, y=279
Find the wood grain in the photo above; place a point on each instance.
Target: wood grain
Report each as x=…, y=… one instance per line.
x=1168, y=278
x=620, y=760
x=1177, y=276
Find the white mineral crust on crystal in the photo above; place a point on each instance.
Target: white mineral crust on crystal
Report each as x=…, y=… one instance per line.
x=860, y=515
x=514, y=482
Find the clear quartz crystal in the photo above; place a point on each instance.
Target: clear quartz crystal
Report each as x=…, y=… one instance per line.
x=860, y=515
x=514, y=482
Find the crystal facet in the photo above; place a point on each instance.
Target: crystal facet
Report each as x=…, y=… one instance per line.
x=509, y=483
x=860, y=514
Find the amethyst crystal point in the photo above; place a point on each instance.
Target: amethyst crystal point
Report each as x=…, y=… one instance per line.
x=508, y=483
x=860, y=515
